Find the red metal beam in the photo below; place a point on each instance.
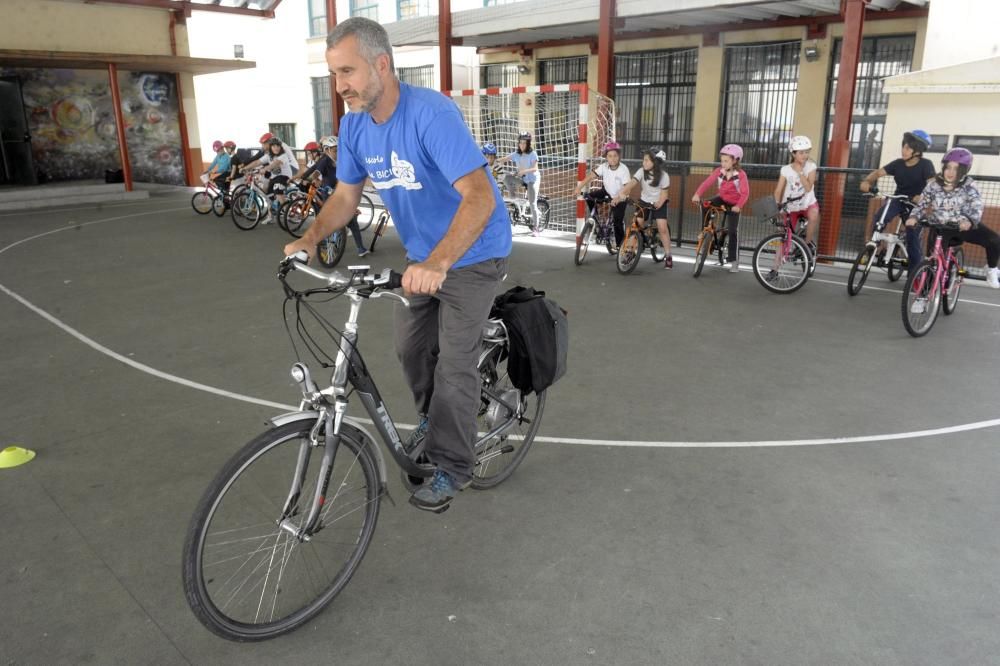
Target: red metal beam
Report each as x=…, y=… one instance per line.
x=336, y=103
x=116, y=102
x=187, y=7
x=444, y=42
x=606, y=49
x=189, y=173
x=839, y=151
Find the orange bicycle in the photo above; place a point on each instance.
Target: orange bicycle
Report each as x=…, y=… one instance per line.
x=638, y=236
x=712, y=236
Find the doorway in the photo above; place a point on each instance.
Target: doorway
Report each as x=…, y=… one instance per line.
x=16, y=166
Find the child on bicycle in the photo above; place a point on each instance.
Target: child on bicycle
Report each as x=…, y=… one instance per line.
x=525, y=160
x=614, y=177
x=953, y=198
x=912, y=172
x=490, y=155
x=655, y=192
x=734, y=191
x=218, y=170
x=797, y=186
x=324, y=170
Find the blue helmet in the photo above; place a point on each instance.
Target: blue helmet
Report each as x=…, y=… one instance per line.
x=489, y=149
x=918, y=140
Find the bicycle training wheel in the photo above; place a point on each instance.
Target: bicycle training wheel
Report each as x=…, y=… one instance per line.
x=953, y=283
x=921, y=301
x=246, y=211
x=366, y=212
x=201, y=202
x=506, y=408
x=629, y=252
x=584, y=244
x=860, y=269
x=896, y=263
x=701, y=252
x=331, y=249
x=779, y=269
x=245, y=578
x=383, y=222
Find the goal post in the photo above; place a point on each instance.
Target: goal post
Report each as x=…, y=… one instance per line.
x=568, y=123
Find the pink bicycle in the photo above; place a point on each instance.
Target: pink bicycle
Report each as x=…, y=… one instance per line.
x=935, y=284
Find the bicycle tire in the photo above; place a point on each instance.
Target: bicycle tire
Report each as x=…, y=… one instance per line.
x=701, y=252
x=790, y=274
x=954, y=281
x=498, y=457
x=655, y=246
x=629, y=252
x=261, y=499
x=299, y=217
x=366, y=212
x=920, y=285
x=894, y=267
x=859, y=270
x=219, y=205
x=201, y=202
x=543, y=214
x=383, y=222
x=246, y=210
x=330, y=250
x=584, y=244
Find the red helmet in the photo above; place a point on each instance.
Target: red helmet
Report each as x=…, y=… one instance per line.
x=216, y=145
x=229, y=144
x=266, y=137
x=311, y=146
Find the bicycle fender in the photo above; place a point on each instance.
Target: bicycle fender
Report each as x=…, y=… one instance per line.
x=353, y=429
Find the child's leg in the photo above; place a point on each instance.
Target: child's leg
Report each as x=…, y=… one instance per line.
x=618, y=221
x=812, y=214
x=664, y=228
x=732, y=225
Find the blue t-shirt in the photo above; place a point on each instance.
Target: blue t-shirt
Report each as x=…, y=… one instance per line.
x=525, y=161
x=413, y=160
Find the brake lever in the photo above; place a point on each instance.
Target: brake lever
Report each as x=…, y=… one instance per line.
x=379, y=293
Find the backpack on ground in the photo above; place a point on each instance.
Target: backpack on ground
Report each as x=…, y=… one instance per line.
x=539, y=337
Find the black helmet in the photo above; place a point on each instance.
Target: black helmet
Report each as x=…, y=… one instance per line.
x=274, y=141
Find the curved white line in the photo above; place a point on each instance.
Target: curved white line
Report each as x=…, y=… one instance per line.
x=142, y=367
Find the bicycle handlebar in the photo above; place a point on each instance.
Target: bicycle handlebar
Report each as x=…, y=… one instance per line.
x=360, y=276
x=875, y=194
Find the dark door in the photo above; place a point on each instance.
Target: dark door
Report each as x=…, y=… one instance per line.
x=15, y=142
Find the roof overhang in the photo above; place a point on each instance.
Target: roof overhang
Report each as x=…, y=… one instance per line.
x=976, y=77
x=261, y=8
x=126, y=61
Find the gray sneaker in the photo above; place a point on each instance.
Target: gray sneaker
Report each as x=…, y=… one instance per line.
x=734, y=267
x=436, y=496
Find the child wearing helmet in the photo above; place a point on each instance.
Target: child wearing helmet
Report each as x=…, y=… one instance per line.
x=613, y=177
x=952, y=198
x=797, y=185
x=654, y=190
x=490, y=154
x=324, y=170
x=218, y=170
x=734, y=191
x=525, y=160
x=911, y=171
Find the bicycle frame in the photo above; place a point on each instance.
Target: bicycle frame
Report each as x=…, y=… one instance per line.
x=942, y=265
x=709, y=230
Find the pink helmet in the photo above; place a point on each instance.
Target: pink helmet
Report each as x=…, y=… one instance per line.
x=732, y=150
x=216, y=145
x=612, y=145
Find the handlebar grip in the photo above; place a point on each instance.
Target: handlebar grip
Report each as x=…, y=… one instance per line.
x=395, y=280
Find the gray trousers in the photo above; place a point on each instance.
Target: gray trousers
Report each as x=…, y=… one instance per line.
x=437, y=341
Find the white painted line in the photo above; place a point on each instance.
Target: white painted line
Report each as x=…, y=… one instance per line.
x=142, y=367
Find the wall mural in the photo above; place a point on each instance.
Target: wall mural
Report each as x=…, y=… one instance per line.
x=72, y=124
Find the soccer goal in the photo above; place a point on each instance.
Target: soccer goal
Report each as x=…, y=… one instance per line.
x=568, y=123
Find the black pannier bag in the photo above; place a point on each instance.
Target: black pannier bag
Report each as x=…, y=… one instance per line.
x=539, y=337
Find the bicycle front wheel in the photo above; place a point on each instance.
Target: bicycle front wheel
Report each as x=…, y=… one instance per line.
x=331, y=249
x=584, y=244
x=953, y=283
x=506, y=408
x=201, y=202
x=702, y=252
x=629, y=252
x=781, y=268
x=245, y=578
x=921, y=301
x=366, y=212
x=246, y=210
x=860, y=269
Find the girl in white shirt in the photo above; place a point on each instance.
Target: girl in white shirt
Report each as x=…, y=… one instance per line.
x=614, y=177
x=798, y=179
x=655, y=184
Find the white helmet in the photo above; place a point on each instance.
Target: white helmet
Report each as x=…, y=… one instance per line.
x=799, y=143
x=328, y=142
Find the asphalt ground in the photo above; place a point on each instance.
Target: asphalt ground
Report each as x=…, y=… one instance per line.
x=724, y=476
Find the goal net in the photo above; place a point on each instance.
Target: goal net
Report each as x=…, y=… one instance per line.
x=569, y=125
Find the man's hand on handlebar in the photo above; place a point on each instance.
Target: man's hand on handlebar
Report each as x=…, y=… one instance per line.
x=300, y=245
x=423, y=278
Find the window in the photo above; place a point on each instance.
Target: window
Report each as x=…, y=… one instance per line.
x=284, y=131
x=654, y=93
x=939, y=143
x=502, y=75
x=412, y=8
x=317, y=18
x=880, y=57
x=322, y=109
x=978, y=145
x=417, y=76
x=494, y=3
x=365, y=8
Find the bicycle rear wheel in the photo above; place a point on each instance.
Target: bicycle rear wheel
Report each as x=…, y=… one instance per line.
x=701, y=252
x=859, y=270
x=298, y=215
x=921, y=301
x=897, y=261
x=366, y=212
x=246, y=210
x=779, y=269
x=245, y=578
x=953, y=283
x=629, y=252
x=201, y=202
x=543, y=214
x=502, y=404
x=655, y=246
x=219, y=205
x=584, y=244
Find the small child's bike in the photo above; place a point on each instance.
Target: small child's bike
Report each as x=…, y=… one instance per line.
x=884, y=249
x=783, y=261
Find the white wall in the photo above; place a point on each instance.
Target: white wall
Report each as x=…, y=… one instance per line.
x=961, y=31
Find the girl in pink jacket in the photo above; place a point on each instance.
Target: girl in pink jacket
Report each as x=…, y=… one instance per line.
x=734, y=192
